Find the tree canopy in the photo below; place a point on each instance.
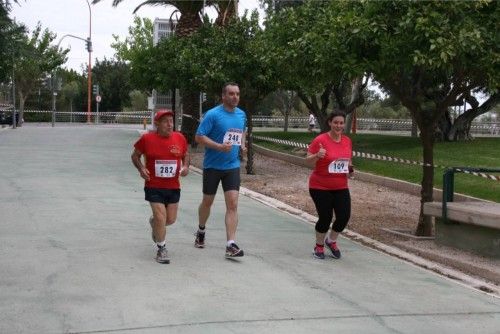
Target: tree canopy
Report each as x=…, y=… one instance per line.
x=113, y=78
x=35, y=60
x=431, y=54
x=313, y=45
x=11, y=35
x=138, y=52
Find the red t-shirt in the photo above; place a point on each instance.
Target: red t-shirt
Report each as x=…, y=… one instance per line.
x=163, y=158
x=330, y=172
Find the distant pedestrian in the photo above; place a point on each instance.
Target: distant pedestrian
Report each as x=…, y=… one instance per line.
x=494, y=129
x=222, y=132
x=312, y=122
x=331, y=154
x=166, y=158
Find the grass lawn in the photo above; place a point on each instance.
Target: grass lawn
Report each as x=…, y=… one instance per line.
x=481, y=152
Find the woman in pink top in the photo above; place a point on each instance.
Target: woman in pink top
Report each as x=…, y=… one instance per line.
x=331, y=154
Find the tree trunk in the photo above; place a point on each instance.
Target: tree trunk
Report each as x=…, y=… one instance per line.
x=321, y=119
x=354, y=125
x=288, y=105
x=285, y=127
x=249, y=110
x=188, y=24
x=313, y=106
x=356, y=99
x=190, y=113
x=414, y=128
x=348, y=124
x=22, y=101
x=226, y=12
x=460, y=130
x=424, y=227
x=443, y=127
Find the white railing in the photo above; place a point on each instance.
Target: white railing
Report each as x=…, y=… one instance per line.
x=125, y=117
x=278, y=122
x=369, y=124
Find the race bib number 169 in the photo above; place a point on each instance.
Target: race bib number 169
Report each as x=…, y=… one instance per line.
x=339, y=166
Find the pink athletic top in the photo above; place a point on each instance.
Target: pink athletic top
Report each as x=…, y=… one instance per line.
x=330, y=172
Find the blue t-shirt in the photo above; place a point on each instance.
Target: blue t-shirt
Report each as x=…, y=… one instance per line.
x=221, y=125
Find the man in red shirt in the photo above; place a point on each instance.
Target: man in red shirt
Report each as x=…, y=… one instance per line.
x=166, y=158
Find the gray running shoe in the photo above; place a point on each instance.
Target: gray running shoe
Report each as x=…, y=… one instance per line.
x=319, y=253
x=162, y=255
x=332, y=246
x=199, y=242
x=151, y=222
x=233, y=251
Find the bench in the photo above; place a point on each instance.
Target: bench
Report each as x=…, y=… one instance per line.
x=471, y=225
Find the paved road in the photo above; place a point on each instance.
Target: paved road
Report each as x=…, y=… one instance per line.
x=76, y=257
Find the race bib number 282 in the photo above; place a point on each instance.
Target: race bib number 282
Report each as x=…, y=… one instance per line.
x=165, y=168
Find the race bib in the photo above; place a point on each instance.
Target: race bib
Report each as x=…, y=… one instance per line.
x=339, y=166
x=165, y=168
x=233, y=137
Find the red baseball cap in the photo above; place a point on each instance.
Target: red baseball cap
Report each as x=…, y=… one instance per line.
x=163, y=112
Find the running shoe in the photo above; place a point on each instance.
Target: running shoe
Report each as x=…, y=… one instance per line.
x=233, y=251
x=332, y=246
x=319, y=253
x=151, y=223
x=199, y=242
x=162, y=255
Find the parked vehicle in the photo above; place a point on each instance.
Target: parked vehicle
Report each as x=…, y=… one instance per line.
x=6, y=116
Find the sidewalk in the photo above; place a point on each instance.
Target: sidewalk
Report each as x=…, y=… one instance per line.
x=76, y=257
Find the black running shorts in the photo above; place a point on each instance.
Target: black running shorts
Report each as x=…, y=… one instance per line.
x=230, y=179
x=165, y=196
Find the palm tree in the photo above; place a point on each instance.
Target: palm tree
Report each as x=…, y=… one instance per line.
x=226, y=10
x=189, y=22
x=7, y=3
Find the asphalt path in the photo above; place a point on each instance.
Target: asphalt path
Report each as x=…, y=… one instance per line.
x=76, y=256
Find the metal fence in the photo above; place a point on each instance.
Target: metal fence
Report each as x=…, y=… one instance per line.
x=279, y=122
x=139, y=117
x=370, y=124
x=133, y=117
x=477, y=128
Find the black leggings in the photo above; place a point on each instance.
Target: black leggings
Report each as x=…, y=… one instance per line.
x=329, y=201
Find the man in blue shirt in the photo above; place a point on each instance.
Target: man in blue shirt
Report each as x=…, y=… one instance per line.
x=222, y=132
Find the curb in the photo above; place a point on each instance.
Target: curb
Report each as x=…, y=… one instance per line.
x=450, y=273
x=437, y=268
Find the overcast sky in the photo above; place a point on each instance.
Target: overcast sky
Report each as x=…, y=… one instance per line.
x=72, y=17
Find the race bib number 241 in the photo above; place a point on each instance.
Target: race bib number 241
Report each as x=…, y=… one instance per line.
x=233, y=137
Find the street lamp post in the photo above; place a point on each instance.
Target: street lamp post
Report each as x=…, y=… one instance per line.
x=53, y=80
x=14, y=120
x=89, y=79
x=55, y=83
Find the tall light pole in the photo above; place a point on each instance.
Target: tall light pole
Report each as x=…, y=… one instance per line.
x=54, y=82
x=89, y=79
x=14, y=121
